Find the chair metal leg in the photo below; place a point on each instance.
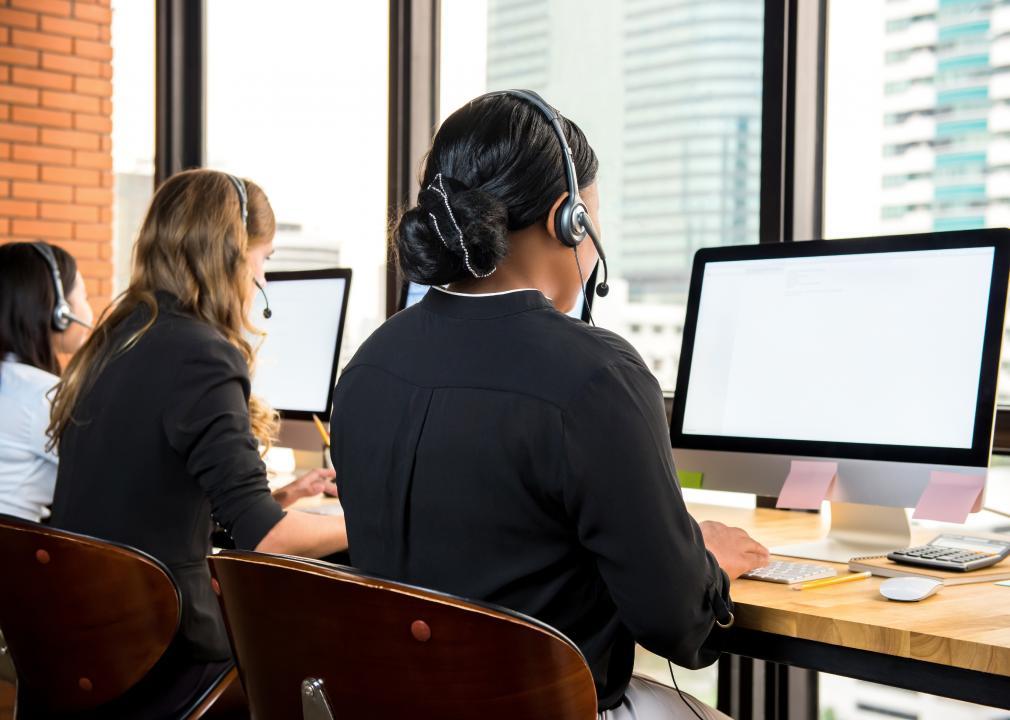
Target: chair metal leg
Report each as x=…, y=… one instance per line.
x=315, y=703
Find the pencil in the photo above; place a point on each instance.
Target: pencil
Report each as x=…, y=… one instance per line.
x=831, y=581
x=322, y=430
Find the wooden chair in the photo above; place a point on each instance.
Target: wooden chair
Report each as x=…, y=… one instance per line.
x=83, y=619
x=322, y=641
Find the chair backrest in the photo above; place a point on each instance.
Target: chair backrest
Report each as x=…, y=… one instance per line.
x=83, y=619
x=387, y=650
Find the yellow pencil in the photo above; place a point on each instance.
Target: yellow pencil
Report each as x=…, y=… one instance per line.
x=322, y=430
x=831, y=581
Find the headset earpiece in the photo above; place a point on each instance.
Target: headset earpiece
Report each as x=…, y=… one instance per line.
x=62, y=316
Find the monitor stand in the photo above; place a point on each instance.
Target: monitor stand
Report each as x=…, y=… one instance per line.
x=856, y=531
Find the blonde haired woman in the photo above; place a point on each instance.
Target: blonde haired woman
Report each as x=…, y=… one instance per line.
x=156, y=427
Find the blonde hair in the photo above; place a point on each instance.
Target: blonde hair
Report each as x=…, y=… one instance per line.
x=192, y=245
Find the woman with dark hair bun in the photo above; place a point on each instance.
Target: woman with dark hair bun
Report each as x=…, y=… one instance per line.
x=490, y=446
x=30, y=341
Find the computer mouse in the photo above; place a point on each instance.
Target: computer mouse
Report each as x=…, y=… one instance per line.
x=909, y=589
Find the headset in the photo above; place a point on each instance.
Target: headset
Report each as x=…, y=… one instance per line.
x=62, y=315
x=243, y=204
x=571, y=222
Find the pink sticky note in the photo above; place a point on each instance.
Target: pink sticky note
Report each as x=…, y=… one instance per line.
x=807, y=484
x=949, y=497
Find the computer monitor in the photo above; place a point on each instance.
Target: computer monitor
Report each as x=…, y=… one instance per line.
x=880, y=354
x=296, y=365
x=412, y=293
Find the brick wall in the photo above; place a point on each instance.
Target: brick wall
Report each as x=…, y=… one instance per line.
x=55, y=131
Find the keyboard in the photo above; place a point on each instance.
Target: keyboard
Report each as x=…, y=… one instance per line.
x=784, y=571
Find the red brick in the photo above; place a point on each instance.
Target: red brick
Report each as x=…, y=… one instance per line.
x=5, y=150
x=101, y=232
x=49, y=7
x=70, y=101
x=39, y=154
x=105, y=143
x=97, y=160
x=105, y=251
x=5, y=74
x=71, y=176
x=105, y=71
x=19, y=56
x=42, y=78
x=42, y=228
x=95, y=269
x=74, y=28
x=94, y=50
x=81, y=250
x=18, y=133
x=19, y=95
x=5, y=227
x=42, y=191
x=107, y=180
x=92, y=13
x=94, y=123
x=19, y=208
x=70, y=138
x=5, y=112
x=93, y=86
x=37, y=116
x=41, y=41
x=70, y=64
x=5, y=188
x=76, y=213
x=5, y=36
x=16, y=18
x=20, y=171
x=93, y=196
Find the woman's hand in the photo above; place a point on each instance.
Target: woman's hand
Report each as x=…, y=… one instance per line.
x=310, y=484
x=735, y=550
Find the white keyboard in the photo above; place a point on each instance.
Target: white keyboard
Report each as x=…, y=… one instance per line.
x=783, y=571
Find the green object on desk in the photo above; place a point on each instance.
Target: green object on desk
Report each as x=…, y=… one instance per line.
x=690, y=479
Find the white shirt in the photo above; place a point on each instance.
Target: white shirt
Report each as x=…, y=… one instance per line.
x=27, y=471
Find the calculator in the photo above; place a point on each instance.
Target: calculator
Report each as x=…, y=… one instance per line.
x=783, y=571
x=954, y=552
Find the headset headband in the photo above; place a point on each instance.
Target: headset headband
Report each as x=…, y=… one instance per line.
x=61, y=310
x=243, y=198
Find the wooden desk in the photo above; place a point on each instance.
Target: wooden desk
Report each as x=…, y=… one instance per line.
x=955, y=644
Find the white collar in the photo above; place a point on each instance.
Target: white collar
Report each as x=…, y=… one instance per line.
x=476, y=295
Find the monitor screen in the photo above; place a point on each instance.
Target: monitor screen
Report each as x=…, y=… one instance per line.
x=413, y=292
x=822, y=348
x=296, y=363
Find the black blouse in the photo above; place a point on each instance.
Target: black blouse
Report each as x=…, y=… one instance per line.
x=491, y=447
x=161, y=448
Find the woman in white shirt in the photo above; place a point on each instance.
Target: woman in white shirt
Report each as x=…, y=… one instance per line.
x=44, y=312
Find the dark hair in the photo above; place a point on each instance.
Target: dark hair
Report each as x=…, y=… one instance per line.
x=501, y=166
x=27, y=302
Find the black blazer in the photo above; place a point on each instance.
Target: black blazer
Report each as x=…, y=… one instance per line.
x=494, y=448
x=159, y=449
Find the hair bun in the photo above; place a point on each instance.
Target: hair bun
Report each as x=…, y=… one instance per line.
x=460, y=234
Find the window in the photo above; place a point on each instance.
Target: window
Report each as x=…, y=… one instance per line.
x=915, y=141
x=670, y=99
x=297, y=102
x=132, y=127
x=918, y=120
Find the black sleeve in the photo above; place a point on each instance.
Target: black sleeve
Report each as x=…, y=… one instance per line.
x=208, y=423
x=623, y=494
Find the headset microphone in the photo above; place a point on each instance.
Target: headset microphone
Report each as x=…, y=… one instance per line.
x=62, y=314
x=267, y=312
x=587, y=223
